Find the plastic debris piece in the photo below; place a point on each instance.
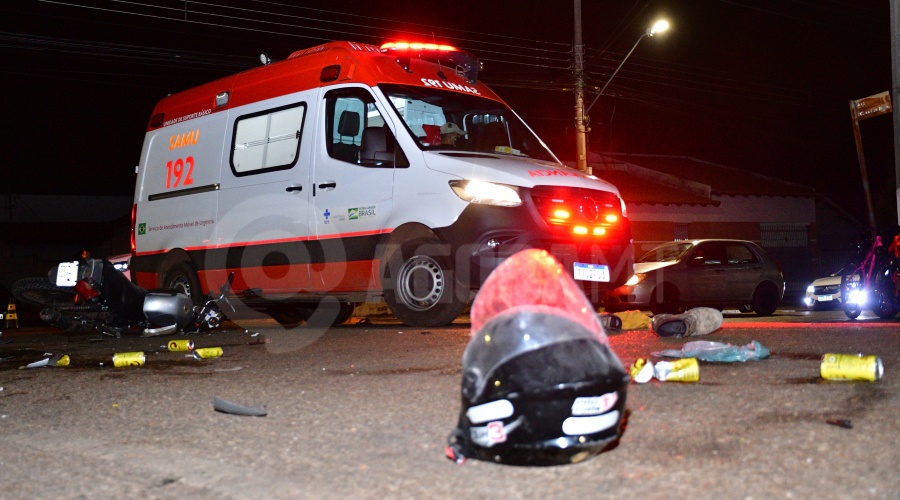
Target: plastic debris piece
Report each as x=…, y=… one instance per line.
x=224, y=406
x=706, y=350
x=38, y=364
x=259, y=340
x=840, y=422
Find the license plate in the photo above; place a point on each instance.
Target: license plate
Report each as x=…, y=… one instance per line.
x=824, y=298
x=67, y=274
x=591, y=272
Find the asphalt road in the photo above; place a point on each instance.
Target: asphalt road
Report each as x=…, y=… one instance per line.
x=363, y=411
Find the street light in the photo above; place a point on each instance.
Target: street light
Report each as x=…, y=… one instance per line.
x=658, y=27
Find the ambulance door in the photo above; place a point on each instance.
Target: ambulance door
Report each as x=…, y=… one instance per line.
x=264, y=198
x=352, y=185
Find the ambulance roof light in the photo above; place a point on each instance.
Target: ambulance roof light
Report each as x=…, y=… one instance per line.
x=467, y=65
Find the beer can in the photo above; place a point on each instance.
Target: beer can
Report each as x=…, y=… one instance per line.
x=851, y=367
x=683, y=370
x=64, y=360
x=122, y=359
x=207, y=352
x=181, y=345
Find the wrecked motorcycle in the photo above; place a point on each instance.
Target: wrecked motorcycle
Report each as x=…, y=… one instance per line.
x=92, y=293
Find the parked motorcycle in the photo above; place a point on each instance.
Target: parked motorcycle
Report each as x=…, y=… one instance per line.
x=91, y=293
x=872, y=280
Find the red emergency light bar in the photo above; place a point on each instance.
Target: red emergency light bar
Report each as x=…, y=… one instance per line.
x=466, y=64
x=417, y=46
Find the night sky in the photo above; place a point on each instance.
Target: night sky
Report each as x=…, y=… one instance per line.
x=759, y=85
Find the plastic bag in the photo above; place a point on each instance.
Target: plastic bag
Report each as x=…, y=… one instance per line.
x=706, y=350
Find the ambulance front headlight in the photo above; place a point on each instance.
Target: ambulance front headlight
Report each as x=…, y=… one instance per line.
x=487, y=193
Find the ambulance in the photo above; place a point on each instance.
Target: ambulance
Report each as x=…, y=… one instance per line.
x=325, y=178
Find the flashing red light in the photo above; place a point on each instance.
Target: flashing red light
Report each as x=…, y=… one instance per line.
x=417, y=46
x=599, y=231
x=611, y=218
x=133, y=220
x=561, y=214
x=580, y=230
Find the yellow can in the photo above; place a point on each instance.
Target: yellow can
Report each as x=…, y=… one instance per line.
x=181, y=345
x=851, y=367
x=64, y=360
x=122, y=359
x=683, y=370
x=207, y=352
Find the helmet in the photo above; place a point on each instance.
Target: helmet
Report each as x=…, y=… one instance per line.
x=540, y=384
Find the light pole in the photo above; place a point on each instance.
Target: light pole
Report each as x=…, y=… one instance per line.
x=582, y=120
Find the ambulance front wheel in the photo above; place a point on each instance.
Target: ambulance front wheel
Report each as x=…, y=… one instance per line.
x=419, y=286
x=182, y=278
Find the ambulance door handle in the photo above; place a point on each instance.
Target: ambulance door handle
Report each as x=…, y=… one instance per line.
x=291, y=189
x=328, y=185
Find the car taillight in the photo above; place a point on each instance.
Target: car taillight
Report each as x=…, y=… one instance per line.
x=578, y=212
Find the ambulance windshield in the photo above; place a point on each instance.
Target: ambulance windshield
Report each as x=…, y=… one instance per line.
x=444, y=120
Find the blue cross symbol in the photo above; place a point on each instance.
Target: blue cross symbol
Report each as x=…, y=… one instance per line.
x=327, y=214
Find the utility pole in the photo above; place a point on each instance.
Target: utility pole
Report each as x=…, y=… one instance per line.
x=895, y=60
x=580, y=128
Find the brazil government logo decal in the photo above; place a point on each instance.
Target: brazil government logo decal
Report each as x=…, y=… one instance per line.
x=357, y=213
x=142, y=228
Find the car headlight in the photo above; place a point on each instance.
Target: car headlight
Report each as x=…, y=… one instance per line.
x=634, y=280
x=487, y=193
x=809, y=289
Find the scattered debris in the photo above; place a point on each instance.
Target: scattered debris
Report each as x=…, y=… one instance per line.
x=610, y=322
x=207, y=352
x=181, y=345
x=696, y=321
x=851, y=367
x=260, y=340
x=125, y=359
x=705, y=350
x=840, y=422
x=683, y=370
x=224, y=406
x=632, y=320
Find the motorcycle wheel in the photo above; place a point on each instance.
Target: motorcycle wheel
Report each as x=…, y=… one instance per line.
x=852, y=310
x=40, y=292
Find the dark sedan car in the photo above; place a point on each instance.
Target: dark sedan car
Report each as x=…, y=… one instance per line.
x=713, y=273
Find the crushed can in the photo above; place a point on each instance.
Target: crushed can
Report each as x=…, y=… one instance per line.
x=123, y=359
x=851, y=367
x=181, y=345
x=64, y=360
x=642, y=371
x=683, y=370
x=207, y=352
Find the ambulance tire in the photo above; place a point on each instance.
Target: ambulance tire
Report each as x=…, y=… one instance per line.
x=181, y=277
x=419, y=285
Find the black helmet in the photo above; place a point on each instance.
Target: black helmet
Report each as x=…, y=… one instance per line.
x=540, y=384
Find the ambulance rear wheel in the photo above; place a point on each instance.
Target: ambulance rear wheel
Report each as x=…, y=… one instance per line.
x=419, y=285
x=182, y=278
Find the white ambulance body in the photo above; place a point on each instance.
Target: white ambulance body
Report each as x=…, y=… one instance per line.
x=324, y=175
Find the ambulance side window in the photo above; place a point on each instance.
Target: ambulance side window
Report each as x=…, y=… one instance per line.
x=357, y=131
x=267, y=141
